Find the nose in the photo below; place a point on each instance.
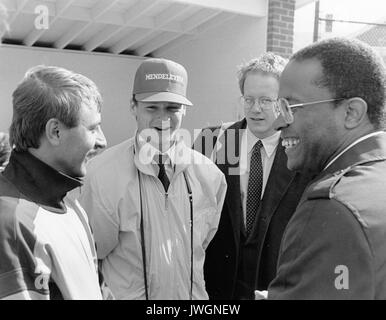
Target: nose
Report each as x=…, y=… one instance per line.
x=100, y=142
x=162, y=119
x=257, y=107
x=279, y=123
x=164, y=115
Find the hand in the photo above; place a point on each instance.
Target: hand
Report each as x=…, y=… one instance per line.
x=261, y=295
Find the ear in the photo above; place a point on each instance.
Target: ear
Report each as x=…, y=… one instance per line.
x=133, y=108
x=183, y=110
x=356, y=112
x=53, y=131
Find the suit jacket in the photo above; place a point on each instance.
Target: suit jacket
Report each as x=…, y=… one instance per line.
x=334, y=246
x=231, y=255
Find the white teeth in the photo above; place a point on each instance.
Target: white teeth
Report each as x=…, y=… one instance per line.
x=290, y=142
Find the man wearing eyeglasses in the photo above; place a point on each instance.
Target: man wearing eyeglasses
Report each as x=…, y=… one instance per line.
x=262, y=193
x=332, y=98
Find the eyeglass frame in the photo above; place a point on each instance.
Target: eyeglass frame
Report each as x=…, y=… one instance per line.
x=297, y=105
x=273, y=101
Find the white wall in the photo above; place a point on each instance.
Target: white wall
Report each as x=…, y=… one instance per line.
x=112, y=74
x=211, y=60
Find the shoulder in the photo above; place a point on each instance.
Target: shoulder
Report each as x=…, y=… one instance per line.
x=208, y=137
x=352, y=197
x=8, y=209
x=9, y=201
x=206, y=171
x=324, y=225
x=358, y=187
x=16, y=222
x=7, y=188
x=322, y=204
x=18, y=242
x=357, y=178
x=215, y=131
x=201, y=162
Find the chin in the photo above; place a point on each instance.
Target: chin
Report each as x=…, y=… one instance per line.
x=262, y=132
x=80, y=173
x=293, y=166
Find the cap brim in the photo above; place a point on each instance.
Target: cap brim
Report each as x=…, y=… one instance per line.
x=162, y=97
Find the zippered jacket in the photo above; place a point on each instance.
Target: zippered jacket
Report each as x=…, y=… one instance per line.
x=118, y=185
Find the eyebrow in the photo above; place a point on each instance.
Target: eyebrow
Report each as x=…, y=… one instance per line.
x=94, y=125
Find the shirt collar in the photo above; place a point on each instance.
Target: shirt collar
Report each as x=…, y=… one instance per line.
x=352, y=145
x=39, y=182
x=269, y=143
x=153, y=152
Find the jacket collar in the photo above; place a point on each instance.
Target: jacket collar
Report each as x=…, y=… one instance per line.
x=230, y=138
x=232, y=174
x=39, y=182
x=143, y=157
x=371, y=149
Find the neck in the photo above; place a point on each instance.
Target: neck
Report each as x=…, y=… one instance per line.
x=349, y=138
x=42, y=156
x=161, y=147
x=260, y=135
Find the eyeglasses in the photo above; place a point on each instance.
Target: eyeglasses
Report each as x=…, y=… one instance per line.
x=264, y=103
x=287, y=110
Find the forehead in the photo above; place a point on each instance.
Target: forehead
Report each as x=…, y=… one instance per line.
x=260, y=81
x=89, y=114
x=299, y=79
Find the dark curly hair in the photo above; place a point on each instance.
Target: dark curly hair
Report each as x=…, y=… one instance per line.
x=351, y=69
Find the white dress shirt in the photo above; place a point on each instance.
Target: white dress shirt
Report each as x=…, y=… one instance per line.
x=267, y=154
x=169, y=155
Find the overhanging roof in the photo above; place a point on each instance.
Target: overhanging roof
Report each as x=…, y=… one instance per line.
x=137, y=27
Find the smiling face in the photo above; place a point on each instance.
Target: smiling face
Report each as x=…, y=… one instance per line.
x=159, y=121
x=258, y=85
x=317, y=131
x=80, y=143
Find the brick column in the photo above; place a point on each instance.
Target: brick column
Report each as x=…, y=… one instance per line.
x=280, y=29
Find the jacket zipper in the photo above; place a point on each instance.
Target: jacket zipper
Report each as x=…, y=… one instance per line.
x=166, y=202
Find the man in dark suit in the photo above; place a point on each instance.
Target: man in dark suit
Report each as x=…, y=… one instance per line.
x=262, y=193
x=332, y=121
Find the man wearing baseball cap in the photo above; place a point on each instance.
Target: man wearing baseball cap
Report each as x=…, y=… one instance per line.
x=154, y=204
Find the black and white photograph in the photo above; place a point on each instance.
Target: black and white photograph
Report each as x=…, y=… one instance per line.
x=199, y=157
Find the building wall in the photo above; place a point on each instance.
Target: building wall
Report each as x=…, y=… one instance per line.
x=280, y=29
x=211, y=60
x=113, y=75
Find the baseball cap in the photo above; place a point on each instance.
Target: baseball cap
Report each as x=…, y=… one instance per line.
x=161, y=80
